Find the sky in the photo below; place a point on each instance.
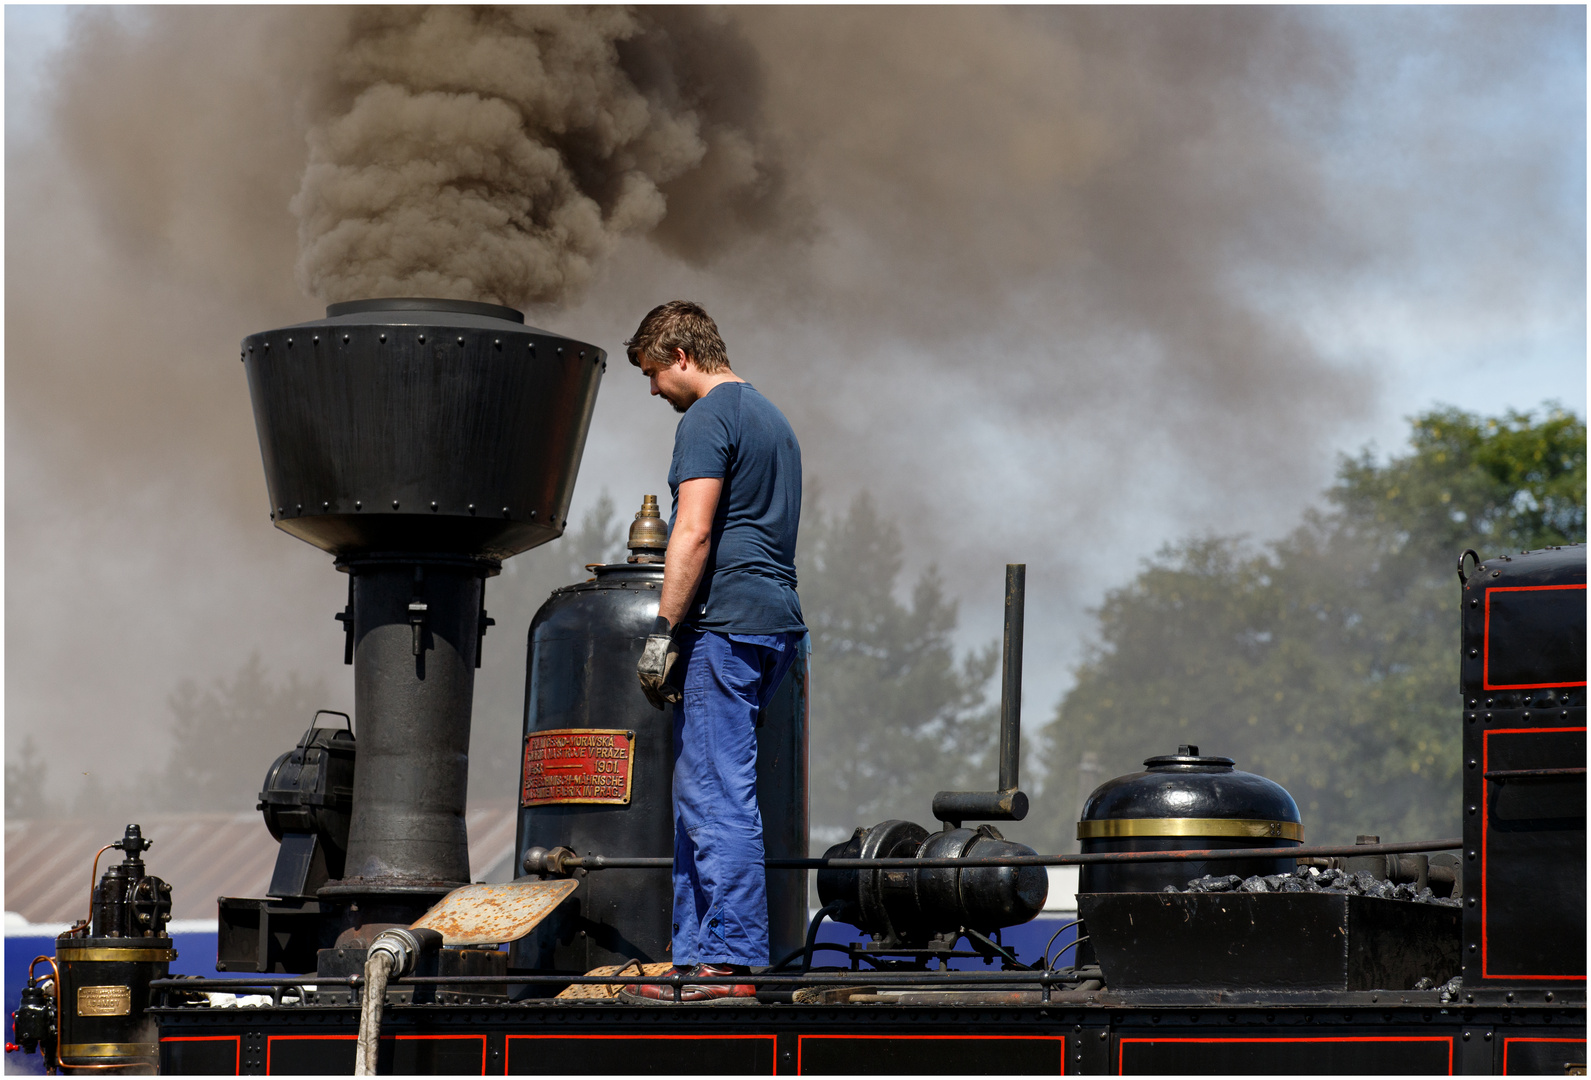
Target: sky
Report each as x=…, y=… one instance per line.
x=1058, y=286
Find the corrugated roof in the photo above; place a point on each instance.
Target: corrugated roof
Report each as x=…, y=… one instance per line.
x=203, y=856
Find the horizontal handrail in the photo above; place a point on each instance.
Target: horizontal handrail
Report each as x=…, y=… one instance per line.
x=612, y=862
x=870, y=978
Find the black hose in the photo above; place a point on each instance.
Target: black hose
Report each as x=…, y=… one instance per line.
x=1064, y=927
x=819, y=947
x=1068, y=945
x=805, y=951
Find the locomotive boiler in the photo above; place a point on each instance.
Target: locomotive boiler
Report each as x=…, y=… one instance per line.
x=422, y=442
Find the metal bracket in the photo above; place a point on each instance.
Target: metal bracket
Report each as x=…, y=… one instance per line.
x=346, y=617
x=480, y=634
x=417, y=612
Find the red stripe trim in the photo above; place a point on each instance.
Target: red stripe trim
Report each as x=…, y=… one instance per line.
x=1122, y=1044
x=269, y=1039
x=774, y=1039
x=1531, y=1039
x=1486, y=751
x=1486, y=640
x=801, y=1039
x=237, y=1045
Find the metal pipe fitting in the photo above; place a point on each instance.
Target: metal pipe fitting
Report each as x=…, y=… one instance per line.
x=405, y=946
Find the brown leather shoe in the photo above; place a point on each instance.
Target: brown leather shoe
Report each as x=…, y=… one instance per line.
x=651, y=993
x=719, y=993
x=693, y=993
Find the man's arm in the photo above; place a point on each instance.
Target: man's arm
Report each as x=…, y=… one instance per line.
x=688, y=546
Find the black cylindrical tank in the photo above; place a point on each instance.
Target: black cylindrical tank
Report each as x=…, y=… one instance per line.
x=1183, y=801
x=105, y=997
x=597, y=773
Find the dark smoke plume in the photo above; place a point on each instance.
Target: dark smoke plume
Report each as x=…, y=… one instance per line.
x=500, y=153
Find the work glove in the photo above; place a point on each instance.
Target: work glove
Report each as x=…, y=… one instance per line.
x=657, y=663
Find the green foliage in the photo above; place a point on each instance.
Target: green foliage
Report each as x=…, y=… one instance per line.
x=895, y=715
x=1328, y=660
x=1495, y=484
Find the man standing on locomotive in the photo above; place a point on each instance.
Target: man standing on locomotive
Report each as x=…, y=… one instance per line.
x=728, y=628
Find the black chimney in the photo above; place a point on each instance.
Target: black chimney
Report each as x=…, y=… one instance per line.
x=420, y=442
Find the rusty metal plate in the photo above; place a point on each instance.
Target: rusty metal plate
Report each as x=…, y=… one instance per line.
x=104, y=1000
x=494, y=914
x=577, y=765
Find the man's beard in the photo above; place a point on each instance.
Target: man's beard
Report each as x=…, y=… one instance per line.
x=677, y=406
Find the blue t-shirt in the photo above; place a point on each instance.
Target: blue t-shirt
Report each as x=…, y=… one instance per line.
x=736, y=434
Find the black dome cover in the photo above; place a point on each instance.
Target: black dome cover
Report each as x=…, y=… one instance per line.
x=1187, y=785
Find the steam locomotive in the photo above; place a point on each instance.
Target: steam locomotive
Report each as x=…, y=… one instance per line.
x=421, y=443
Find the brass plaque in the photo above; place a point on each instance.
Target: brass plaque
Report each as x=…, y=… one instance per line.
x=104, y=1000
x=577, y=765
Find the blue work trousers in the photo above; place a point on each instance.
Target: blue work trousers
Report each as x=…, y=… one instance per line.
x=720, y=887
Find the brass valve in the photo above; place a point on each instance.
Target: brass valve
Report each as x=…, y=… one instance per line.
x=648, y=533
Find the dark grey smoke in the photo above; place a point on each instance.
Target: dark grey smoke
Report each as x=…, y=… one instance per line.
x=1056, y=285
x=500, y=153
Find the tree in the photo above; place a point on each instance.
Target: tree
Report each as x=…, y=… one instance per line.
x=1328, y=660
x=1494, y=484
x=26, y=790
x=225, y=735
x=895, y=715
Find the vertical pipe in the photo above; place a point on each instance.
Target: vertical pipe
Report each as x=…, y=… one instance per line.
x=1011, y=676
x=417, y=628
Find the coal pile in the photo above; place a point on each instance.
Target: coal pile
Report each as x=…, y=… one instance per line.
x=1310, y=879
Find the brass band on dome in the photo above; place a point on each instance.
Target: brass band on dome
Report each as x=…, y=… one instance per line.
x=1116, y=828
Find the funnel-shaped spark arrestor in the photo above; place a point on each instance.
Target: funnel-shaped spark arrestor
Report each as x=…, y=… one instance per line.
x=1007, y=804
x=421, y=425
x=421, y=442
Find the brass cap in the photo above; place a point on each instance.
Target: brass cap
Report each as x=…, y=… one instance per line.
x=648, y=533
